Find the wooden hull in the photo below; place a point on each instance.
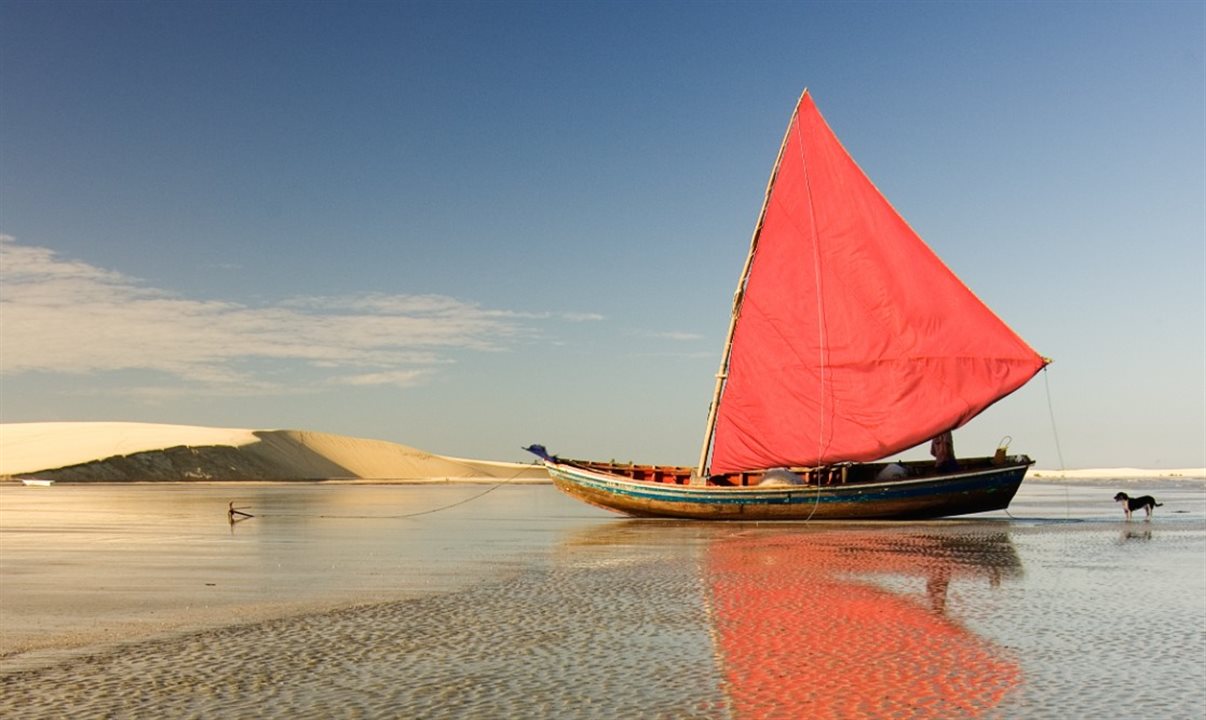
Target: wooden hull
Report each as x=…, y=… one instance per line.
x=981, y=489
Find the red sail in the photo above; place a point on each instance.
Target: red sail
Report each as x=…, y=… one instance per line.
x=853, y=340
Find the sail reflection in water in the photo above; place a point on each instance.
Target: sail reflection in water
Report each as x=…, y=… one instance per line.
x=802, y=630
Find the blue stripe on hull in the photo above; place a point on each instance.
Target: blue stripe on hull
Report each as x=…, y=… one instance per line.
x=972, y=492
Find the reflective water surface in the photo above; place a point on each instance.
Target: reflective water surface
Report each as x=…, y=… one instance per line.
x=344, y=601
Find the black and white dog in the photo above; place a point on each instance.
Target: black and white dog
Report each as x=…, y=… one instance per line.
x=1130, y=504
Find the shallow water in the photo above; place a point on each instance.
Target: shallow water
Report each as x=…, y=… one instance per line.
x=339, y=601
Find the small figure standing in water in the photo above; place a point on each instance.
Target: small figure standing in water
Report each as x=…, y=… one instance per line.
x=942, y=448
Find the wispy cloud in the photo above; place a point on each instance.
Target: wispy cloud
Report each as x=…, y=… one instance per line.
x=581, y=317
x=669, y=344
x=676, y=336
x=63, y=316
x=399, y=378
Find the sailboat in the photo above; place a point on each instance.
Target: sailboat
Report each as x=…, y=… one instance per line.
x=849, y=341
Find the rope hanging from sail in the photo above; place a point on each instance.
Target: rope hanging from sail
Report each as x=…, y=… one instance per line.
x=1059, y=454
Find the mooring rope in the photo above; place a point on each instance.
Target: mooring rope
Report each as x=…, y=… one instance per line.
x=429, y=511
x=449, y=506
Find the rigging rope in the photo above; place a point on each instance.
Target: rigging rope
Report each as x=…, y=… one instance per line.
x=1058, y=452
x=1051, y=412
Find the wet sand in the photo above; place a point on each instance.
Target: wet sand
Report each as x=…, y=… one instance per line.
x=356, y=601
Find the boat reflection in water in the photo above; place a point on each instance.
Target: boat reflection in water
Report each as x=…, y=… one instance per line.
x=833, y=622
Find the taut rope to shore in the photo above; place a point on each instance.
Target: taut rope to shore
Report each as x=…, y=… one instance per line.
x=235, y=515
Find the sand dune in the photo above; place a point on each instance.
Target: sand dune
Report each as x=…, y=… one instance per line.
x=116, y=452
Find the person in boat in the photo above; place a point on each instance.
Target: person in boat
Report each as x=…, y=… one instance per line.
x=942, y=448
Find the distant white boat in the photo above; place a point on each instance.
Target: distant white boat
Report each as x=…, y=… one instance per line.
x=38, y=482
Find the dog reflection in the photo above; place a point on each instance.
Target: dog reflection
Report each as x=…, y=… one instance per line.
x=1135, y=535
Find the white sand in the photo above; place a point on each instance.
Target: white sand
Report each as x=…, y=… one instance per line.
x=1125, y=473
x=32, y=448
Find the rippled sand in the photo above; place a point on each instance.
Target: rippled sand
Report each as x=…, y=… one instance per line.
x=522, y=604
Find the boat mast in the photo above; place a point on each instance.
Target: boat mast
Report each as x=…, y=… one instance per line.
x=701, y=474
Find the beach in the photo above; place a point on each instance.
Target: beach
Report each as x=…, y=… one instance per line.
x=499, y=600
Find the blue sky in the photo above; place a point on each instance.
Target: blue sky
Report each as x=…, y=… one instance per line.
x=469, y=226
